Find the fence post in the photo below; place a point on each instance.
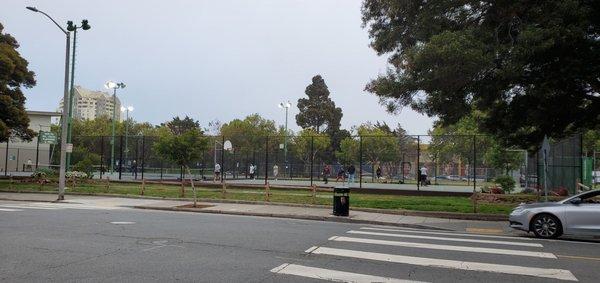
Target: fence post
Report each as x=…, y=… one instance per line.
x=312, y=157
x=143, y=154
x=6, y=160
x=37, y=152
x=360, y=161
x=120, y=156
x=161, y=170
x=266, y=159
x=474, y=165
x=223, y=159
x=137, y=150
x=101, y=155
x=418, y=161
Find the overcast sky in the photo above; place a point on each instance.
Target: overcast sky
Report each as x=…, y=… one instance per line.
x=207, y=59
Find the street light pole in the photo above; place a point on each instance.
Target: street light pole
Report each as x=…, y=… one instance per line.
x=126, y=110
x=65, y=111
x=285, y=106
x=73, y=28
x=113, y=86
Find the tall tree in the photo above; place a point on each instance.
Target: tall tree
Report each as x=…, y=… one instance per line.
x=318, y=112
x=523, y=68
x=179, y=126
x=14, y=74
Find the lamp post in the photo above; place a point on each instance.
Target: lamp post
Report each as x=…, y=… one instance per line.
x=73, y=28
x=126, y=110
x=286, y=106
x=114, y=86
x=65, y=110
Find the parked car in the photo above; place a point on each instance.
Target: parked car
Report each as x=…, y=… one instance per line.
x=576, y=215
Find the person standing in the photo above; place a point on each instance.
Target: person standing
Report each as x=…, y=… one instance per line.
x=378, y=173
x=326, y=172
x=351, y=172
x=217, y=175
x=251, y=169
x=341, y=175
x=423, y=172
x=275, y=171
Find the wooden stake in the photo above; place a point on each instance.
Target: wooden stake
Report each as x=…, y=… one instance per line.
x=267, y=192
x=314, y=193
x=475, y=196
x=224, y=190
x=182, y=189
x=107, y=184
x=10, y=183
x=143, y=186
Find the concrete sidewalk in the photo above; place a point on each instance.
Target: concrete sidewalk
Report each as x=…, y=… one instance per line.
x=281, y=211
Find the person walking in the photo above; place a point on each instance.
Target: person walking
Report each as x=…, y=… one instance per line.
x=217, y=175
x=326, y=172
x=341, y=175
x=275, y=171
x=378, y=173
x=351, y=172
x=251, y=169
x=423, y=172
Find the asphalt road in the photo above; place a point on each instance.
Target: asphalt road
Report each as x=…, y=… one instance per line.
x=71, y=242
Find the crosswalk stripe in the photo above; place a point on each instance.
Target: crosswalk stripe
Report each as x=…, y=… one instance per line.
x=443, y=247
x=10, y=209
x=559, y=274
x=445, y=233
x=447, y=239
x=29, y=207
x=332, y=275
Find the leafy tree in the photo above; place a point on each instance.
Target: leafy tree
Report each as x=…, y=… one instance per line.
x=301, y=144
x=318, y=112
x=179, y=126
x=500, y=158
x=250, y=134
x=14, y=74
x=591, y=142
x=523, y=69
x=182, y=145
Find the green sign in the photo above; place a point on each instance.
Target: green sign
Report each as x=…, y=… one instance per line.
x=48, y=137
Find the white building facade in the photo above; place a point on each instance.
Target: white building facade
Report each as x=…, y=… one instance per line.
x=90, y=104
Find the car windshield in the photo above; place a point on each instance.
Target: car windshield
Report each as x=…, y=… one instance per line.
x=588, y=197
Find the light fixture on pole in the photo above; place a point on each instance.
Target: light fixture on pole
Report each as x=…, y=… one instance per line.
x=126, y=110
x=71, y=27
x=65, y=111
x=286, y=106
x=114, y=86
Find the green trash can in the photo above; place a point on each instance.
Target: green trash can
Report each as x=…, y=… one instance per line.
x=341, y=201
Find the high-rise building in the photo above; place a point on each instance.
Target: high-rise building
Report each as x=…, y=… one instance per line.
x=90, y=104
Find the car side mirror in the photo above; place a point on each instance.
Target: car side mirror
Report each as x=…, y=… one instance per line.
x=575, y=201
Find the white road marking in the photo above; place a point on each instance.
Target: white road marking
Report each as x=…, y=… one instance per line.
x=445, y=233
x=559, y=274
x=10, y=209
x=332, y=275
x=443, y=247
x=122, y=222
x=447, y=239
x=29, y=207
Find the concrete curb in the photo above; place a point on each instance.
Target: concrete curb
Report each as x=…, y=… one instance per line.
x=293, y=216
x=434, y=214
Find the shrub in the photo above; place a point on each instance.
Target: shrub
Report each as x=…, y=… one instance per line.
x=43, y=173
x=87, y=164
x=529, y=191
x=496, y=191
x=76, y=175
x=507, y=183
x=560, y=191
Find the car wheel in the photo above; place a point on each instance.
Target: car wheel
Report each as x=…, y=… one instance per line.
x=546, y=226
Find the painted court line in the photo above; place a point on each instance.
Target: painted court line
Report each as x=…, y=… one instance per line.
x=445, y=233
x=559, y=274
x=447, y=239
x=10, y=209
x=332, y=275
x=443, y=247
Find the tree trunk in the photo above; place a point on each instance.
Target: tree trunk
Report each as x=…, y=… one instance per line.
x=192, y=183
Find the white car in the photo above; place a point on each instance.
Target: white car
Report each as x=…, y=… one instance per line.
x=576, y=215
